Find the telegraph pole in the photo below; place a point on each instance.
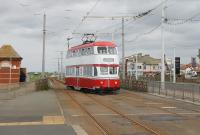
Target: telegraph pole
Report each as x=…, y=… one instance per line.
x=123, y=50
x=174, y=71
x=44, y=41
x=61, y=64
x=163, y=45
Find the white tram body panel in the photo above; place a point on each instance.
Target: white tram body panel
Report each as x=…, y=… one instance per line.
x=96, y=69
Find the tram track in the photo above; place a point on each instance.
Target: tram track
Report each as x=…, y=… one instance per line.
x=98, y=124
x=141, y=124
x=147, y=128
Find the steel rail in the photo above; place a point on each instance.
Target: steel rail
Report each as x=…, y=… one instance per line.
x=98, y=124
x=124, y=116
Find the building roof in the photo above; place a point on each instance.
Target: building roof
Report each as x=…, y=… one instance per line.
x=184, y=66
x=147, y=59
x=7, y=51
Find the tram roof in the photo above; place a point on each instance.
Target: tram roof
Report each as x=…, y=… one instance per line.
x=102, y=43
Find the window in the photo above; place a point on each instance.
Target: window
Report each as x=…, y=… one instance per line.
x=102, y=50
x=90, y=50
x=112, y=50
x=113, y=70
x=104, y=70
x=70, y=71
x=87, y=71
x=95, y=71
x=83, y=51
x=139, y=67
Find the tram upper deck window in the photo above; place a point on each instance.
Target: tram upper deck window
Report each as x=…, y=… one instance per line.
x=112, y=50
x=102, y=50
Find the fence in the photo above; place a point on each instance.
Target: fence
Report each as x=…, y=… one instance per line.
x=132, y=84
x=184, y=91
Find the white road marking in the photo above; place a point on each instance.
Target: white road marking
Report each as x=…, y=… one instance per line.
x=190, y=113
x=76, y=115
x=105, y=114
x=135, y=114
x=152, y=103
x=79, y=130
x=168, y=107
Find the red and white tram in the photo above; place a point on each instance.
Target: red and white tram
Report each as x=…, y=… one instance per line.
x=93, y=66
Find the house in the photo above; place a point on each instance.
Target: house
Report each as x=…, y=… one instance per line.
x=146, y=65
x=10, y=63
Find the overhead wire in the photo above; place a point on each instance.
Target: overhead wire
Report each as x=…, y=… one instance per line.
x=87, y=14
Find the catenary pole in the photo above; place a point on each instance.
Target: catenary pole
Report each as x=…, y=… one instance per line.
x=44, y=41
x=163, y=45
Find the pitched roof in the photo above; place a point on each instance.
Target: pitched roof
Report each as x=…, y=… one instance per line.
x=7, y=51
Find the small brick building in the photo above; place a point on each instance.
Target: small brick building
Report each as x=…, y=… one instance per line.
x=10, y=62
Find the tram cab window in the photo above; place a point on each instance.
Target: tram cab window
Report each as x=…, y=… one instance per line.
x=102, y=50
x=104, y=70
x=112, y=50
x=113, y=70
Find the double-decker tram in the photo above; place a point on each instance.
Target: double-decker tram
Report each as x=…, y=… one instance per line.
x=93, y=67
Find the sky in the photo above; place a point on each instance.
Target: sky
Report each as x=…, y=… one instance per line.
x=21, y=23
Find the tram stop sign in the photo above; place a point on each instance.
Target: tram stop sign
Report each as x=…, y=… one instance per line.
x=177, y=65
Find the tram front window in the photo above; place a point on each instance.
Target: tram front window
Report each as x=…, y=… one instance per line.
x=104, y=70
x=102, y=50
x=113, y=70
x=112, y=50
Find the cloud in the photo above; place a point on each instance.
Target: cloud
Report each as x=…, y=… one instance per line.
x=22, y=20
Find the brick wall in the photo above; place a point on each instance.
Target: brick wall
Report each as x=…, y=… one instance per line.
x=5, y=75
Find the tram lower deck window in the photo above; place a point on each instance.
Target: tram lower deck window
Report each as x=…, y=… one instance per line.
x=104, y=70
x=113, y=70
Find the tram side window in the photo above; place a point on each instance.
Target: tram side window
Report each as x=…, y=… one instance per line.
x=87, y=71
x=102, y=50
x=112, y=50
x=95, y=71
x=70, y=71
x=104, y=70
x=113, y=70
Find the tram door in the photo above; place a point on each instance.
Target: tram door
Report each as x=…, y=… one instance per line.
x=77, y=76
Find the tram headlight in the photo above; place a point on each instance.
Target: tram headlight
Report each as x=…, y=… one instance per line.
x=116, y=82
x=101, y=82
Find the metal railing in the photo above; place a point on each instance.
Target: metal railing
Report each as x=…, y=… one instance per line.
x=184, y=91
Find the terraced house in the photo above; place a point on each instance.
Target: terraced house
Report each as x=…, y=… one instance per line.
x=10, y=62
